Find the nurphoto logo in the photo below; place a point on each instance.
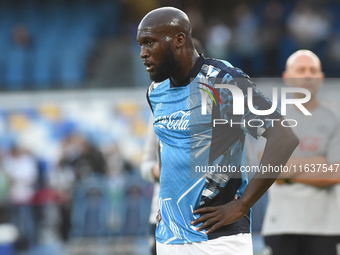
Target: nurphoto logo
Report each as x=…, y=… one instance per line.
x=238, y=99
x=238, y=105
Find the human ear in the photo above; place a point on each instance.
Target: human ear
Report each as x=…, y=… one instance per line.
x=286, y=78
x=180, y=40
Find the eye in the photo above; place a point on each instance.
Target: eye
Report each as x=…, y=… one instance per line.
x=313, y=71
x=300, y=70
x=149, y=43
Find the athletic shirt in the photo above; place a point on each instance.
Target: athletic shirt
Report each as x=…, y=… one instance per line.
x=189, y=144
x=298, y=208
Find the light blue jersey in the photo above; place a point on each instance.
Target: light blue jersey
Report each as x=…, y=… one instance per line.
x=190, y=145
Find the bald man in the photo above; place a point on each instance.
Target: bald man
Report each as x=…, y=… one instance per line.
x=303, y=212
x=208, y=214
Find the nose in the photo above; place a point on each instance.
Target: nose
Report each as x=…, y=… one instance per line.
x=143, y=52
x=308, y=74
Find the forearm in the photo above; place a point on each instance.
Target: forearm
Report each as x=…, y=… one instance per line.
x=317, y=182
x=313, y=171
x=318, y=174
x=298, y=163
x=280, y=145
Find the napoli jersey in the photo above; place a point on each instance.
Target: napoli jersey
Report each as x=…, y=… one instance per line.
x=202, y=144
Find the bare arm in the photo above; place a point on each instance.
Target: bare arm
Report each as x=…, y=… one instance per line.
x=319, y=171
x=317, y=178
x=317, y=182
x=281, y=142
x=315, y=171
x=297, y=161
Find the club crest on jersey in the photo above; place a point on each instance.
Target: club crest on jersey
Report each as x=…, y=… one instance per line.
x=158, y=106
x=191, y=101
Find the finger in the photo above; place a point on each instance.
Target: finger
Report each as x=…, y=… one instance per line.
x=205, y=210
x=158, y=219
x=159, y=216
x=203, y=218
x=207, y=223
x=214, y=227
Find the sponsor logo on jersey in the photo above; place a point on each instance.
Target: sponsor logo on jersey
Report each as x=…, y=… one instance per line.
x=176, y=121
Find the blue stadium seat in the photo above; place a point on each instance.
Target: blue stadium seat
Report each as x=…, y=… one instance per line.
x=63, y=35
x=72, y=69
x=3, y=58
x=91, y=207
x=42, y=67
x=15, y=74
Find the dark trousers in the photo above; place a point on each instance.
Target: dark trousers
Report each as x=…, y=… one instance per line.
x=153, y=239
x=302, y=245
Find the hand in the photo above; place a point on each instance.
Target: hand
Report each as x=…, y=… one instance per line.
x=219, y=216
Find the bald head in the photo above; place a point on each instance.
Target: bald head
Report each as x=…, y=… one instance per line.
x=166, y=19
x=303, y=70
x=306, y=53
x=167, y=49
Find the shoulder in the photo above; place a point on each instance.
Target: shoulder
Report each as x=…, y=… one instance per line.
x=226, y=67
x=228, y=74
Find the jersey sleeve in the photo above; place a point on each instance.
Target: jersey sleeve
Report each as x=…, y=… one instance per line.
x=250, y=122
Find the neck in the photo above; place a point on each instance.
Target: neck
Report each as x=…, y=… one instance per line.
x=185, y=66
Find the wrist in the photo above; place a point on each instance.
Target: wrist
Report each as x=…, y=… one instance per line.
x=242, y=205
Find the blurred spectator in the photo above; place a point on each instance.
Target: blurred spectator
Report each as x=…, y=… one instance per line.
x=4, y=192
x=79, y=160
x=332, y=55
x=22, y=169
x=262, y=33
x=18, y=62
x=21, y=36
x=307, y=26
x=82, y=157
x=302, y=216
x=246, y=43
x=218, y=40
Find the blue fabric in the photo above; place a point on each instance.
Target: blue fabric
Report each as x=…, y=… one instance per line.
x=189, y=142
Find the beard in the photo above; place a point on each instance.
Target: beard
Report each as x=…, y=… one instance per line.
x=166, y=67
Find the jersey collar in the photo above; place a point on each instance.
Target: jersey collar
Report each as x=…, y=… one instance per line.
x=192, y=74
